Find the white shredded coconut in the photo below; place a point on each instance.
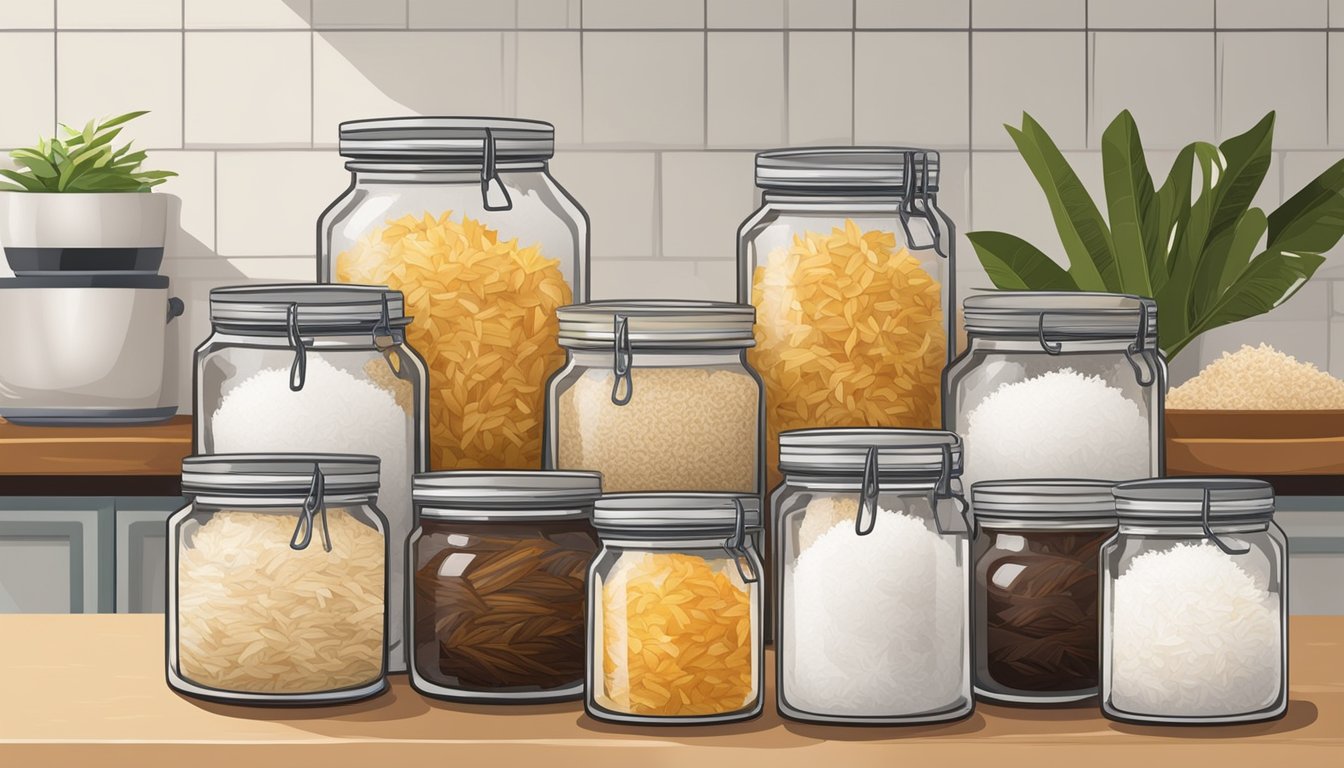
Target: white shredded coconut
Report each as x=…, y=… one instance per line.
x=335, y=412
x=1059, y=424
x=872, y=624
x=1193, y=634
x=1259, y=379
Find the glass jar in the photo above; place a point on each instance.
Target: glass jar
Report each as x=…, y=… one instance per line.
x=1058, y=385
x=657, y=396
x=872, y=618
x=1194, y=604
x=851, y=267
x=318, y=369
x=462, y=215
x=674, y=611
x=1036, y=548
x=277, y=585
x=499, y=584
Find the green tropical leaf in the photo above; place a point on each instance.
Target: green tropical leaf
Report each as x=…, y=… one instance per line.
x=122, y=119
x=1129, y=198
x=1312, y=220
x=1271, y=279
x=1171, y=212
x=40, y=166
x=85, y=160
x=1014, y=264
x=1082, y=230
x=25, y=182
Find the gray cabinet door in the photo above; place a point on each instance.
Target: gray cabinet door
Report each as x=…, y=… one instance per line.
x=142, y=552
x=53, y=555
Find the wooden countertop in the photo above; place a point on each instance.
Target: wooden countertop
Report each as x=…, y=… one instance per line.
x=90, y=690
x=153, y=449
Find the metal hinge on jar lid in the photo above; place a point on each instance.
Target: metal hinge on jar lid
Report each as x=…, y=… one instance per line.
x=314, y=504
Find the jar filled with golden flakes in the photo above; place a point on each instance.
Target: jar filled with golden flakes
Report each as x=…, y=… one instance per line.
x=850, y=265
x=463, y=217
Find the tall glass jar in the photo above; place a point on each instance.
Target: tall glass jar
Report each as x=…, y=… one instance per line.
x=872, y=621
x=1035, y=550
x=277, y=585
x=462, y=215
x=657, y=396
x=1195, y=604
x=1058, y=385
x=851, y=267
x=674, y=611
x=499, y=584
x=322, y=369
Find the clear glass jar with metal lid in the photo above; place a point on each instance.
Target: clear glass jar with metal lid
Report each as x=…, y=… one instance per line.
x=499, y=584
x=851, y=267
x=674, y=611
x=1035, y=549
x=277, y=580
x=872, y=622
x=1195, y=604
x=462, y=215
x=657, y=396
x=1058, y=385
x=318, y=368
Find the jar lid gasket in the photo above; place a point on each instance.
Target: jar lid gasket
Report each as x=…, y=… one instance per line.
x=658, y=324
x=673, y=515
x=1044, y=500
x=844, y=451
x=278, y=474
x=505, y=493
x=446, y=139
x=319, y=307
x=840, y=169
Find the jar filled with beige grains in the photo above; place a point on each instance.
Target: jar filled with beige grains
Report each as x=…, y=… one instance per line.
x=462, y=215
x=850, y=265
x=657, y=396
x=277, y=580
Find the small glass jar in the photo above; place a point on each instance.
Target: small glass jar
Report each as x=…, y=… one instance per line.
x=1058, y=385
x=462, y=215
x=277, y=580
x=318, y=369
x=657, y=396
x=1036, y=551
x=674, y=611
x=851, y=267
x=872, y=622
x=1195, y=604
x=499, y=584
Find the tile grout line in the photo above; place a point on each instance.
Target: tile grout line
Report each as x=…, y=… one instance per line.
x=183, y=75
x=970, y=122
x=853, y=72
x=704, y=88
x=1087, y=75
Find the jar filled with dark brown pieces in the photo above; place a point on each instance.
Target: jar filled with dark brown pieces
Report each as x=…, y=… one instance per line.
x=1036, y=547
x=499, y=570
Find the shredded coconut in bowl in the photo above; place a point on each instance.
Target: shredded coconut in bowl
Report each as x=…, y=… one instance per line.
x=1259, y=379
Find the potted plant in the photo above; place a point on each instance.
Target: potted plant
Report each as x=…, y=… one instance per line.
x=1197, y=257
x=79, y=204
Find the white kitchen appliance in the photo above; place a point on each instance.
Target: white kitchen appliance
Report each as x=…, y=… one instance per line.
x=85, y=349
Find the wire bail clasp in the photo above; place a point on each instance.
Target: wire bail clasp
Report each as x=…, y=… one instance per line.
x=942, y=490
x=868, y=493
x=622, y=358
x=492, y=189
x=313, y=505
x=1208, y=531
x=736, y=545
x=1140, y=347
x=1050, y=347
x=298, y=370
x=381, y=335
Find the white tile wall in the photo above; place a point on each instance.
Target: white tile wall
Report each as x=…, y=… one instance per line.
x=659, y=105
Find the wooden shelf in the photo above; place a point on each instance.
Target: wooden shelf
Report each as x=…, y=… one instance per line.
x=91, y=690
x=151, y=451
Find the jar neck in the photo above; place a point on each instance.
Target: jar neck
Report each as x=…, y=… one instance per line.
x=282, y=504
x=634, y=542
x=640, y=358
x=1032, y=344
x=1193, y=530
x=1055, y=524
x=279, y=339
x=458, y=173
x=852, y=483
x=879, y=201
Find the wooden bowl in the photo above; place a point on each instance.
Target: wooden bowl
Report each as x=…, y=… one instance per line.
x=1254, y=443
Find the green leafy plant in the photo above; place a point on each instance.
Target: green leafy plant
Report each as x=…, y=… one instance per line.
x=1196, y=250
x=83, y=161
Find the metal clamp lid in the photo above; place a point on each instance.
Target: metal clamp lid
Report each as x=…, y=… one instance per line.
x=672, y=515
x=622, y=356
x=1203, y=502
x=506, y=493
x=278, y=475
x=314, y=504
x=736, y=545
x=919, y=454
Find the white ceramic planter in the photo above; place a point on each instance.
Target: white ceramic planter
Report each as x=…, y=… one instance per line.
x=45, y=233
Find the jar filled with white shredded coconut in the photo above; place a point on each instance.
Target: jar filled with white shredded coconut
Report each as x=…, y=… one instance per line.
x=277, y=580
x=1194, y=604
x=1058, y=385
x=871, y=542
x=319, y=369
